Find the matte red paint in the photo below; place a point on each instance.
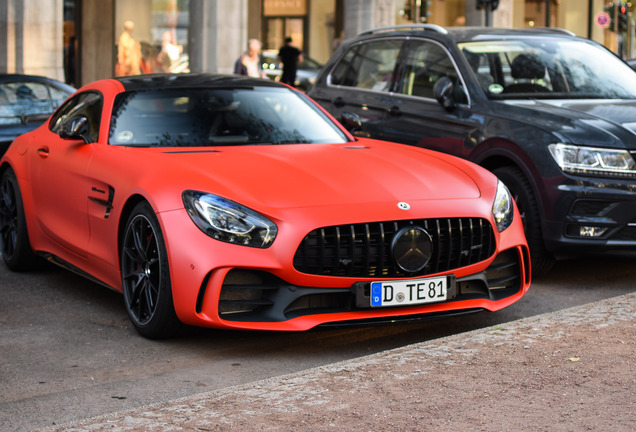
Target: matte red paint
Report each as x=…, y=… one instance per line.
x=300, y=187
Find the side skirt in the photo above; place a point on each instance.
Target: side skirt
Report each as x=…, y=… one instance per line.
x=68, y=266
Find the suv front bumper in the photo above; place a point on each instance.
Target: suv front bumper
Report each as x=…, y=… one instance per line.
x=592, y=214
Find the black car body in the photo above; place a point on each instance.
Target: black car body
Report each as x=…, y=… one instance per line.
x=553, y=115
x=26, y=101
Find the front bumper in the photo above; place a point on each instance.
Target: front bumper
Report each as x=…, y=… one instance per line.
x=249, y=296
x=592, y=215
x=229, y=286
x=258, y=299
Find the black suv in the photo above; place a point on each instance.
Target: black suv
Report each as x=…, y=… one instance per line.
x=551, y=114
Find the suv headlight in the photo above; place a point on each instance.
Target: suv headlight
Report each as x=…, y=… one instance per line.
x=502, y=208
x=228, y=221
x=593, y=161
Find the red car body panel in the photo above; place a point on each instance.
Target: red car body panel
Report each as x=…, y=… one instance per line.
x=65, y=183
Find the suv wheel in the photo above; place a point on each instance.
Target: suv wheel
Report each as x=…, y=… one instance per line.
x=519, y=186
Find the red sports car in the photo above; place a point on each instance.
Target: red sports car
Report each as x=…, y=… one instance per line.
x=230, y=202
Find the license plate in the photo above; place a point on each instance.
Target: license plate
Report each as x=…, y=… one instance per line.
x=408, y=292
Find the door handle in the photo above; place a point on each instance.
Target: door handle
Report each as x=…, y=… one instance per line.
x=394, y=111
x=43, y=152
x=338, y=102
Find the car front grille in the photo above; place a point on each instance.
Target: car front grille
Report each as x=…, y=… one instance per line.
x=591, y=208
x=364, y=250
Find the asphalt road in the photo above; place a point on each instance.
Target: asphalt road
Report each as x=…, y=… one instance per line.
x=68, y=351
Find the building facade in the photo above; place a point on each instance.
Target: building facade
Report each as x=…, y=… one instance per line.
x=79, y=41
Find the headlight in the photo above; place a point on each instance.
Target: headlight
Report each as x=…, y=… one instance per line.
x=228, y=221
x=502, y=208
x=593, y=161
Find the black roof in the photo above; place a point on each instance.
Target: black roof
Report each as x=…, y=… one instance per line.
x=202, y=80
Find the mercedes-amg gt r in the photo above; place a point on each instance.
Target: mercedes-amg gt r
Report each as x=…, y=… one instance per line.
x=231, y=202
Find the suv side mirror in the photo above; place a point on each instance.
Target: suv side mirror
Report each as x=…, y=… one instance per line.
x=351, y=121
x=76, y=129
x=444, y=92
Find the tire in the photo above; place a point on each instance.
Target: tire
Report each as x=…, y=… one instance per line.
x=16, y=248
x=541, y=259
x=146, y=276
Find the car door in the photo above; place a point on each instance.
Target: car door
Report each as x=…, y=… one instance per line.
x=415, y=117
x=58, y=170
x=362, y=81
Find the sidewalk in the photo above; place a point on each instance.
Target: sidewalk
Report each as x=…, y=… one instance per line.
x=571, y=370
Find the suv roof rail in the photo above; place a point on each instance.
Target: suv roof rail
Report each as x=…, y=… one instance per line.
x=556, y=30
x=432, y=27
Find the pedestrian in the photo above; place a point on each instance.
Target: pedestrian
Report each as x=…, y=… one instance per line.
x=128, y=53
x=169, y=54
x=290, y=57
x=249, y=63
x=70, y=61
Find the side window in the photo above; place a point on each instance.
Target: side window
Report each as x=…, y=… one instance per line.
x=425, y=63
x=89, y=105
x=344, y=72
x=369, y=66
x=57, y=96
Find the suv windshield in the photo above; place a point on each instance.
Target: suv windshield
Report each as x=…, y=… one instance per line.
x=213, y=117
x=542, y=68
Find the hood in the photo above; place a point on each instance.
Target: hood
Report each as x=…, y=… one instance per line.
x=303, y=175
x=594, y=122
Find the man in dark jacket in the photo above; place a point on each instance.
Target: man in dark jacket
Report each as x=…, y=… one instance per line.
x=290, y=57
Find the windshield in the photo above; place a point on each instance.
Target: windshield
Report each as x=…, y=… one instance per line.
x=542, y=68
x=218, y=117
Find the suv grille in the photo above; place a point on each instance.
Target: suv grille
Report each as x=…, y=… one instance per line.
x=364, y=250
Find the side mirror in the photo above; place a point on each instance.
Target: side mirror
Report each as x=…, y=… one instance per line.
x=444, y=93
x=76, y=129
x=351, y=121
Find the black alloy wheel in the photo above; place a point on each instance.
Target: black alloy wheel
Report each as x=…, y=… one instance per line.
x=521, y=191
x=16, y=248
x=146, y=276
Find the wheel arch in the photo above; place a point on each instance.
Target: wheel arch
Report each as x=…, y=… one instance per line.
x=17, y=250
x=6, y=165
x=25, y=193
x=503, y=153
x=543, y=260
x=127, y=209
x=157, y=319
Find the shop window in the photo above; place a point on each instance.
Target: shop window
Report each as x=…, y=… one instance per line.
x=282, y=19
x=152, y=37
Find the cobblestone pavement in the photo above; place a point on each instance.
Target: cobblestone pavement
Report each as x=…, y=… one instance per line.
x=570, y=370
